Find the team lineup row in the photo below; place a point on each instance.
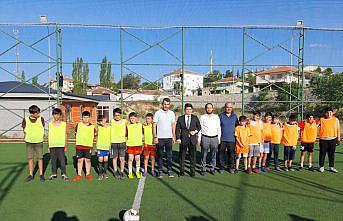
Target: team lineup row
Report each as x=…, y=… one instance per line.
x=227, y=135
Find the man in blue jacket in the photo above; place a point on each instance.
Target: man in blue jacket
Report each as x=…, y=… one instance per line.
x=228, y=123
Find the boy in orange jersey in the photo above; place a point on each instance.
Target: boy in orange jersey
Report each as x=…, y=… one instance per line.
x=308, y=137
x=266, y=137
x=289, y=140
x=330, y=136
x=275, y=141
x=242, y=134
x=255, y=140
x=149, y=147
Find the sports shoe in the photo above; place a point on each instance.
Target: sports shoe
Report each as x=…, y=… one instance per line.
x=51, y=177
x=105, y=176
x=160, y=175
x=220, y=171
x=89, y=177
x=290, y=169
x=170, y=174
x=100, y=177
x=130, y=175
x=153, y=173
x=77, y=178
x=231, y=171
x=202, y=173
x=212, y=172
x=250, y=170
x=144, y=174
x=264, y=169
x=300, y=168
x=286, y=169
x=259, y=170
x=277, y=169
x=41, y=178
x=255, y=170
x=236, y=171
x=121, y=176
x=267, y=169
x=138, y=175
x=117, y=175
x=64, y=177
x=321, y=169
x=29, y=178
x=332, y=169
x=311, y=169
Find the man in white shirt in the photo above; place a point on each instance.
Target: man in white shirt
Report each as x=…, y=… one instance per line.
x=209, y=137
x=164, y=135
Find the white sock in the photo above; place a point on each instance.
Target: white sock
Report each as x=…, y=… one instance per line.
x=130, y=169
x=310, y=165
x=137, y=169
x=302, y=164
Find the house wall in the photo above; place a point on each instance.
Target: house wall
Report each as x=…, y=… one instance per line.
x=18, y=109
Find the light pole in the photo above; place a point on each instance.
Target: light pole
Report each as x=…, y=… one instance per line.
x=44, y=20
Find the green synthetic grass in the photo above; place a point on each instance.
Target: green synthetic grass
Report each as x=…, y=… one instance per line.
x=298, y=195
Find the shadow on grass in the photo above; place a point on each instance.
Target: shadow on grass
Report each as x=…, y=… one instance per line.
x=299, y=218
x=46, y=159
x=62, y=216
x=196, y=218
x=308, y=182
x=10, y=178
x=186, y=199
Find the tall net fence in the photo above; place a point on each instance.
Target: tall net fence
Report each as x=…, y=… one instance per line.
x=279, y=69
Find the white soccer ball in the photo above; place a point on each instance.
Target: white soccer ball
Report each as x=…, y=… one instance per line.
x=131, y=215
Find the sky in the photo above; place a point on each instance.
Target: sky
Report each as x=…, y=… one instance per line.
x=92, y=44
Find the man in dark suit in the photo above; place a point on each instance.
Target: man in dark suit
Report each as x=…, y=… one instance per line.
x=187, y=128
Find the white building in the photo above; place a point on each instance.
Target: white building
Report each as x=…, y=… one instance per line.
x=140, y=95
x=279, y=75
x=192, y=81
x=68, y=84
x=230, y=85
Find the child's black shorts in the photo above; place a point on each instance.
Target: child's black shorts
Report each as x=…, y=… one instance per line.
x=83, y=154
x=307, y=147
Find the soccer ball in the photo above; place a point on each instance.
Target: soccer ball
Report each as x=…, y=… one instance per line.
x=131, y=215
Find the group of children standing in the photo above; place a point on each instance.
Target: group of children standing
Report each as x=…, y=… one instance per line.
x=257, y=141
x=114, y=139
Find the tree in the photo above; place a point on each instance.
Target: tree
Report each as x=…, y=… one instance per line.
x=282, y=95
x=328, y=88
x=228, y=73
x=80, y=75
x=251, y=79
x=151, y=85
x=35, y=80
x=212, y=77
x=131, y=81
x=328, y=71
x=106, y=76
x=23, y=78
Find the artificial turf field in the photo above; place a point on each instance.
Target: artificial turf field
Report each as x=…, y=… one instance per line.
x=298, y=195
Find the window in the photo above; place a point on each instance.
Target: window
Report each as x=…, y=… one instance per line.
x=68, y=107
x=104, y=110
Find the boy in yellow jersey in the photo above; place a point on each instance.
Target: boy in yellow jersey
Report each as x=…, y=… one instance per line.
x=330, y=136
x=255, y=140
x=149, y=147
x=57, y=144
x=85, y=133
x=289, y=140
x=118, y=145
x=266, y=137
x=309, y=131
x=242, y=134
x=103, y=145
x=134, y=143
x=33, y=127
x=277, y=130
